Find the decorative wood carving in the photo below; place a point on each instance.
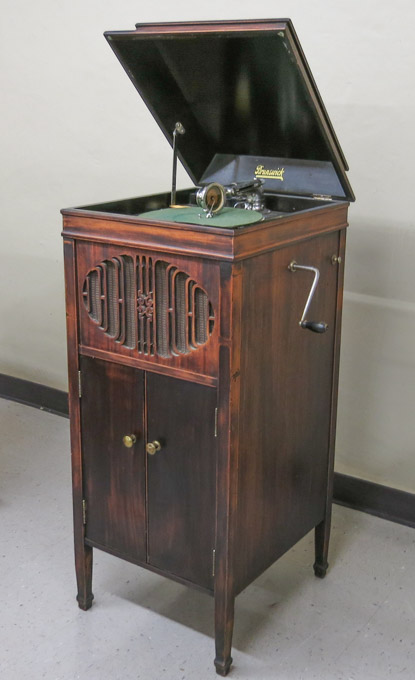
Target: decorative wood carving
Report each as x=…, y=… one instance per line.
x=148, y=305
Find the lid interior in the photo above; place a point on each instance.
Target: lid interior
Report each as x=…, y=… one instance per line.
x=237, y=93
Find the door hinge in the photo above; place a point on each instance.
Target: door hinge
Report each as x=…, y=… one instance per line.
x=84, y=511
x=216, y=422
x=79, y=385
x=213, y=561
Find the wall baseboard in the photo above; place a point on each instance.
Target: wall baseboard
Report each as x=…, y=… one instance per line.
x=33, y=394
x=360, y=494
x=376, y=499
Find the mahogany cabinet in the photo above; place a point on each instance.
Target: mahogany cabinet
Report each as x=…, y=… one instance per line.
x=202, y=413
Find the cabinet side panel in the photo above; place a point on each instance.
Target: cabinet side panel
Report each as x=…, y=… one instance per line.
x=286, y=390
x=112, y=406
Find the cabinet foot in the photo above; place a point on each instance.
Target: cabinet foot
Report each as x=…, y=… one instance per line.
x=85, y=604
x=83, y=566
x=320, y=570
x=322, y=537
x=224, y=617
x=223, y=667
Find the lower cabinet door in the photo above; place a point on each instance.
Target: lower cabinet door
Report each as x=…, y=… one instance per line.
x=181, y=477
x=112, y=407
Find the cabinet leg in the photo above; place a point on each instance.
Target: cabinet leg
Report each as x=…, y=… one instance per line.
x=322, y=537
x=224, y=617
x=83, y=566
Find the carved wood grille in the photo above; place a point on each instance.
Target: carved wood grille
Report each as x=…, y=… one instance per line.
x=148, y=305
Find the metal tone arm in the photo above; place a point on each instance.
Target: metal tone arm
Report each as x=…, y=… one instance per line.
x=178, y=130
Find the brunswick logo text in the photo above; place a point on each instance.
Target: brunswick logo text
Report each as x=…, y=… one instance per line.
x=269, y=173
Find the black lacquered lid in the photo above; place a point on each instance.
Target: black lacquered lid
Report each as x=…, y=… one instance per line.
x=246, y=97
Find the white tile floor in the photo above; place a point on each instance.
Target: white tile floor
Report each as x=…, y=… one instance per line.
x=357, y=624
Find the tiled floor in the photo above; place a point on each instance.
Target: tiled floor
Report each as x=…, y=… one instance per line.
x=357, y=624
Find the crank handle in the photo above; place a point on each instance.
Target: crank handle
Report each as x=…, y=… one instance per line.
x=315, y=326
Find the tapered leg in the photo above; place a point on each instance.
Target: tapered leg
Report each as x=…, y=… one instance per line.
x=322, y=537
x=83, y=566
x=224, y=617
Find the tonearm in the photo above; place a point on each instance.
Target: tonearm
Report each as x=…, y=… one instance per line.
x=213, y=196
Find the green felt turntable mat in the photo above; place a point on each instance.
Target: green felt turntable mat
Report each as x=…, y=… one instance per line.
x=228, y=217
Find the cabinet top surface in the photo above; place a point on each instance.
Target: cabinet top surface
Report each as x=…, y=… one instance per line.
x=119, y=223
x=277, y=207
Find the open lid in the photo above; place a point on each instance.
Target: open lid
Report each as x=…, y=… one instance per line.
x=246, y=97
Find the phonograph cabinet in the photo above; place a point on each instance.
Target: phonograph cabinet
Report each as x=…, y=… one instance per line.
x=202, y=386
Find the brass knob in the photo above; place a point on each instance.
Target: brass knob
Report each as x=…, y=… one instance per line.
x=129, y=440
x=153, y=447
x=336, y=259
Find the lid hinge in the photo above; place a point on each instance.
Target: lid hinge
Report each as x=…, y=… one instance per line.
x=323, y=197
x=213, y=561
x=79, y=385
x=84, y=512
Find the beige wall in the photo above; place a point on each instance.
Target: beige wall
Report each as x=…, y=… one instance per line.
x=74, y=131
